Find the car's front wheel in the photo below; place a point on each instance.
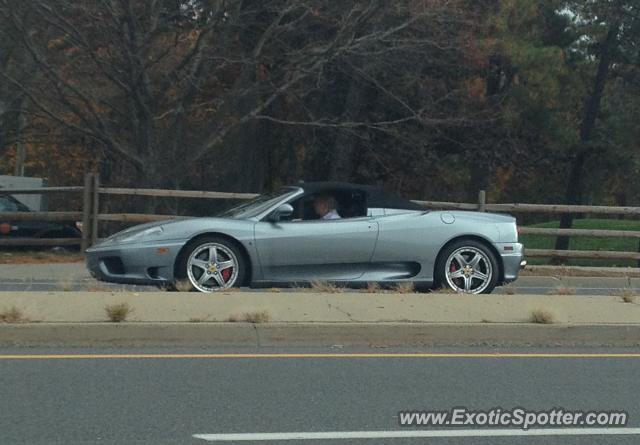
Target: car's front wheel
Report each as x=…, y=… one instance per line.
x=211, y=264
x=467, y=266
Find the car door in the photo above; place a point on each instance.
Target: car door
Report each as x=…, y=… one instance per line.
x=338, y=249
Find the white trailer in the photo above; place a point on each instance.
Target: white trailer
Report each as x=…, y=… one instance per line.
x=37, y=203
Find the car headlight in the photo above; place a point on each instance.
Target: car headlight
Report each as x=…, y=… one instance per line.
x=138, y=235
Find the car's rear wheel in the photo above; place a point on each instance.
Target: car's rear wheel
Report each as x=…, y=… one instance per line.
x=467, y=266
x=212, y=264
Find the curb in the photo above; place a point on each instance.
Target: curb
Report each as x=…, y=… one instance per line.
x=316, y=334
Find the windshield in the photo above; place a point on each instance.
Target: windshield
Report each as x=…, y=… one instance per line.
x=257, y=205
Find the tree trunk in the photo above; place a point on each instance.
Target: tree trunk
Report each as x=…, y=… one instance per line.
x=21, y=148
x=575, y=185
x=341, y=168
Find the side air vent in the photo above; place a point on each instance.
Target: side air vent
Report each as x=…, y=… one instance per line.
x=113, y=265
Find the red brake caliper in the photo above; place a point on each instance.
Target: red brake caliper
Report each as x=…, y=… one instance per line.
x=226, y=274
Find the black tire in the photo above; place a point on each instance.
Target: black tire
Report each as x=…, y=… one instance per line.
x=441, y=267
x=182, y=275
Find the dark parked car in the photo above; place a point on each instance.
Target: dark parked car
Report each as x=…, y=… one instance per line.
x=33, y=229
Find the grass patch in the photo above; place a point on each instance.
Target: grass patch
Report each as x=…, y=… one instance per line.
x=325, y=287
x=541, y=317
x=628, y=298
x=250, y=317
x=372, y=288
x=12, y=315
x=627, y=295
x=118, y=313
x=256, y=317
x=183, y=286
x=65, y=285
x=587, y=243
x=404, y=287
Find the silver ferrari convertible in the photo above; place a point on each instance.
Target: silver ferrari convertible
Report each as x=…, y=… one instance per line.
x=325, y=231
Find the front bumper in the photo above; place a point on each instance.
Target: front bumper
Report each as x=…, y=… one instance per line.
x=136, y=263
x=512, y=255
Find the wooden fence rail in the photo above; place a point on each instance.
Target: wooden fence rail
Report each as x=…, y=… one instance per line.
x=90, y=216
x=594, y=233
x=40, y=216
x=175, y=193
x=531, y=208
x=135, y=217
x=41, y=190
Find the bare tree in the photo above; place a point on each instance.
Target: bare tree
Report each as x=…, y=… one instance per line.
x=174, y=88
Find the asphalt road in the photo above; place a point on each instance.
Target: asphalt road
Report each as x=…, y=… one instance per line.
x=169, y=399
x=75, y=277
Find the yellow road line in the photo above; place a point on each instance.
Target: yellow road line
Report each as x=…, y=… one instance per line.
x=313, y=355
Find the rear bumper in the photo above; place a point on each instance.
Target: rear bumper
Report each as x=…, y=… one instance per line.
x=139, y=263
x=513, y=261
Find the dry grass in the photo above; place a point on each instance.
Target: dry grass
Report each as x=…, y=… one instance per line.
x=541, y=317
x=12, y=315
x=628, y=298
x=117, y=313
x=251, y=317
x=325, y=287
x=274, y=289
x=183, y=286
x=372, y=288
x=404, y=287
x=40, y=257
x=65, y=285
x=627, y=295
x=257, y=317
x=562, y=290
x=119, y=289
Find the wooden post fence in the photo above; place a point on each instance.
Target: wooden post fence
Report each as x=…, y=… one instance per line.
x=86, y=211
x=482, y=201
x=91, y=217
x=95, y=207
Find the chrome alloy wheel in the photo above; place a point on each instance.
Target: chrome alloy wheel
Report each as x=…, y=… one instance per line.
x=468, y=270
x=212, y=267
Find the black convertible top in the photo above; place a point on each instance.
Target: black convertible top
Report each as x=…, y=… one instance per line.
x=376, y=197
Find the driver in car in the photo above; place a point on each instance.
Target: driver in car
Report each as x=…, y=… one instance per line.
x=325, y=207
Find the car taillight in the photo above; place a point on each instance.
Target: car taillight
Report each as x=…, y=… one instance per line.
x=5, y=229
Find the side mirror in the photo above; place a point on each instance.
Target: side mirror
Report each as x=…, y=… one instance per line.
x=282, y=211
